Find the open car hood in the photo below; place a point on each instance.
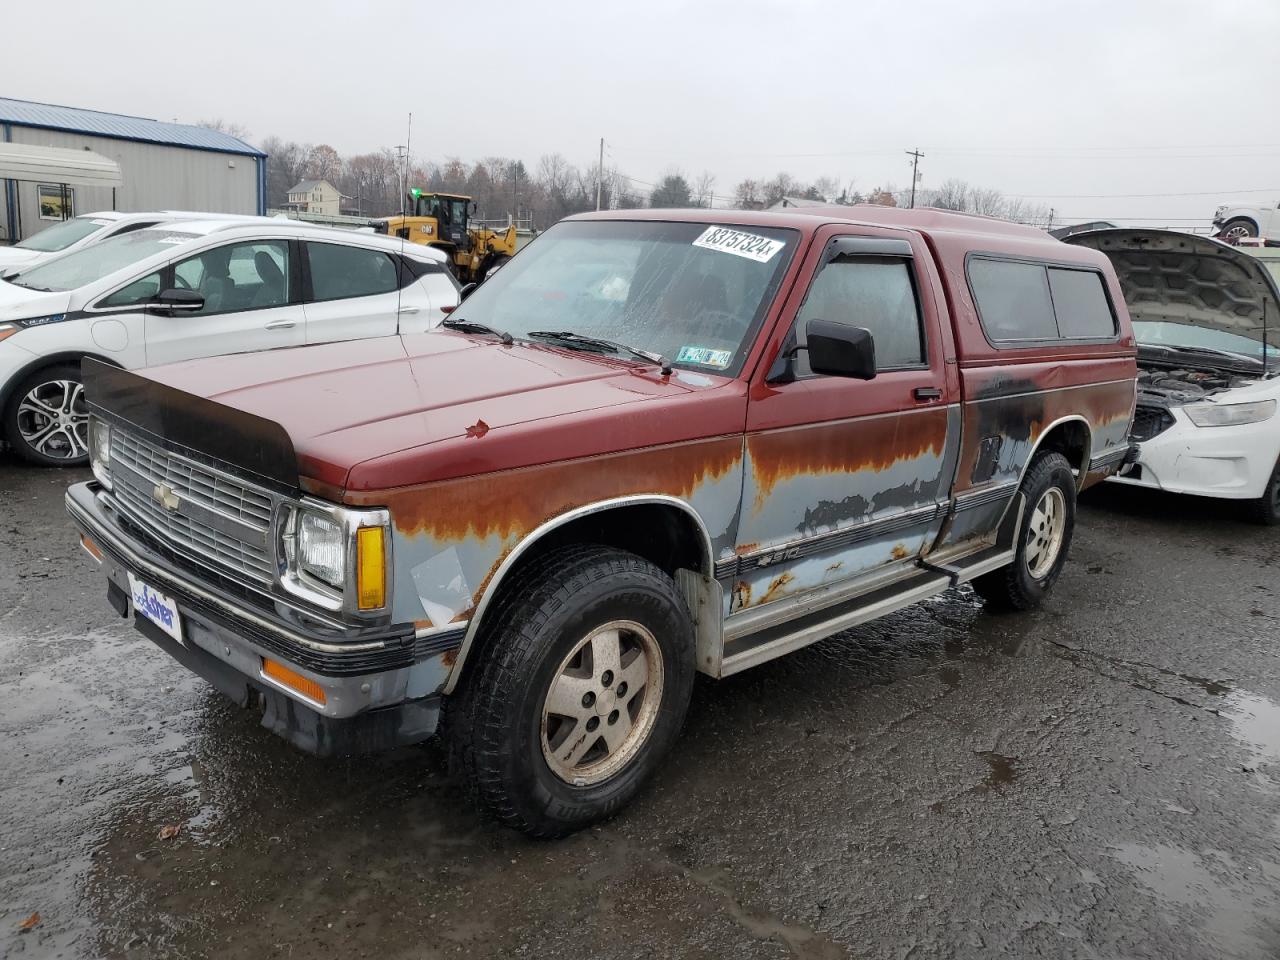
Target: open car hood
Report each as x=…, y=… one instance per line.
x=1182, y=278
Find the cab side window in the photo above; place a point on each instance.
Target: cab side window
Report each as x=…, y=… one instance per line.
x=142, y=290
x=873, y=292
x=1020, y=300
x=239, y=276
x=339, y=272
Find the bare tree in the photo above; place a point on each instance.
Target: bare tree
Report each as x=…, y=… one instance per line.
x=237, y=130
x=986, y=201
x=952, y=195
x=748, y=195
x=704, y=189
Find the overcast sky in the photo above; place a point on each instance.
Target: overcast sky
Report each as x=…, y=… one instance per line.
x=1050, y=99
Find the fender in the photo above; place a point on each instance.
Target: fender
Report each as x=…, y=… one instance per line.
x=473, y=628
x=48, y=360
x=1083, y=467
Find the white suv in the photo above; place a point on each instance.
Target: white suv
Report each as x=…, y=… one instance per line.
x=83, y=231
x=189, y=289
x=1236, y=222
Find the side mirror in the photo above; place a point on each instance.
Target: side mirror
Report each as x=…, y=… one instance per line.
x=177, y=300
x=840, y=350
x=466, y=291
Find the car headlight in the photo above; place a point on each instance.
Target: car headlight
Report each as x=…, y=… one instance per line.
x=1230, y=414
x=100, y=450
x=336, y=557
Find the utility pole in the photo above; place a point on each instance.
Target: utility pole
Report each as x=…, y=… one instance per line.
x=915, y=156
x=600, y=175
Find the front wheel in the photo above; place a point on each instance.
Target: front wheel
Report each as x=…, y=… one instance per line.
x=1043, y=543
x=580, y=691
x=46, y=420
x=1265, y=510
x=1233, y=231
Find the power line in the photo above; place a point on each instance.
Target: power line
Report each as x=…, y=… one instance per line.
x=1132, y=196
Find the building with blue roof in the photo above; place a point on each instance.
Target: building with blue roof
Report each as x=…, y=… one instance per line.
x=164, y=166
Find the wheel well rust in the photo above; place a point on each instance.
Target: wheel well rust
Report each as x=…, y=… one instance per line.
x=662, y=533
x=1073, y=439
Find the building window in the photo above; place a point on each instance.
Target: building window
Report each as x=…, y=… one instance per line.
x=56, y=202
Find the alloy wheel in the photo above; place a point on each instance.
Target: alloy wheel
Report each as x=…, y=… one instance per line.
x=602, y=703
x=54, y=421
x=1046, y=532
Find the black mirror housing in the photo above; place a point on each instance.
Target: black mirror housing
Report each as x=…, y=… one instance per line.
x=177, y=300
x=840, y=350
x=466, y=291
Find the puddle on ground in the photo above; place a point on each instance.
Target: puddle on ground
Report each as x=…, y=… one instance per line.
x=1255, y=722
x=1210, y=890
x=1004, y=770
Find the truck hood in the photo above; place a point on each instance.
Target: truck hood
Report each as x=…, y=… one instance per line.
x=430, y=406
x=1182, y=278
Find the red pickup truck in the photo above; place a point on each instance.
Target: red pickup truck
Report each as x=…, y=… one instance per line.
x=655, y=443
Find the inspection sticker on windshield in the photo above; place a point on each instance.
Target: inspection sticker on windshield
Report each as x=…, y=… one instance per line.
x=749, y=245
x=705, y=357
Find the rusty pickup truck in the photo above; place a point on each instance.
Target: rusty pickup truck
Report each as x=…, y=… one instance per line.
x=655, y=443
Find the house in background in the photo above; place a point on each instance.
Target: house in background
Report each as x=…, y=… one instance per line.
x=315, y=196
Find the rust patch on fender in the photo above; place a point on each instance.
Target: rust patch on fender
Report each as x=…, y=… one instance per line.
x=838, y=565
x=450, y=657
x=511, y=503
x=849, y=446
x=741, y=595
x=899, y=551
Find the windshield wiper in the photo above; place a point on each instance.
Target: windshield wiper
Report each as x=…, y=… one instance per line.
x=599, y=343
x=470, y=326
x=26, y=286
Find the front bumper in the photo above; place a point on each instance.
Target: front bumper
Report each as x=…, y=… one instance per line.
x=365, y=673
x=1233, y=463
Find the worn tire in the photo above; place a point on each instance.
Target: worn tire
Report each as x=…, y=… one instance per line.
x=1015, y=587
x=1237, y=229
x=1265, y=510
x=494, y=725
x=64, y=372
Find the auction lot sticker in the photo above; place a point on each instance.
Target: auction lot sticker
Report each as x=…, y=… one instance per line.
x=749, y=245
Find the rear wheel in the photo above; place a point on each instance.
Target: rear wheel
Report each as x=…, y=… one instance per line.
x=580, y=690
x=1238, y=229
x=46, y=420
x=1044, y=541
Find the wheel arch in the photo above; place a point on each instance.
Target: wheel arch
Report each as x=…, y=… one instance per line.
x=1071, y=436
x=47, y=360
x=646, y=524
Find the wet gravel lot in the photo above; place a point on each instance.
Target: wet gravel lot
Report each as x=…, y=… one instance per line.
x=1097, y=779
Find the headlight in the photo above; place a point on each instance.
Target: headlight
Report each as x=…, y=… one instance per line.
x=336, y=558
x=100, y=450
x=322, y=549
x=1230, y=414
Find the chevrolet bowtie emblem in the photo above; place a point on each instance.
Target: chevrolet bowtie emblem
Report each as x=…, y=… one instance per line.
x=165, y=496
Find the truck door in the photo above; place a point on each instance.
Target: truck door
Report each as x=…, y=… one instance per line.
x=849, y=478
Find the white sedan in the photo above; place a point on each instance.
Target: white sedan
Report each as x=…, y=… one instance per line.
x=1207, y=319
x=196, y=288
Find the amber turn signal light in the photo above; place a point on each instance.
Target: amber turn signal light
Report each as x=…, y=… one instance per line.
x=371, y=568
x=293, y=680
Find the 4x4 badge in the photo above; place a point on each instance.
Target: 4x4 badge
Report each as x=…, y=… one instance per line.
x=164, y=495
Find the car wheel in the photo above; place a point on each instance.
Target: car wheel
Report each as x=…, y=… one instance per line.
x=1233, y=231
x=1266, y=509
x=1048, y=523
x=581, y=689
x=46, y=420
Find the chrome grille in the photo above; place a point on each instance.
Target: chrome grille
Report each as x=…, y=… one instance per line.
x=218, y=516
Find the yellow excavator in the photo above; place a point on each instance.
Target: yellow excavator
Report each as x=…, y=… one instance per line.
x=441, y=220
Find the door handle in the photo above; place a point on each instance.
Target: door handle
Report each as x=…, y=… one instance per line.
x=281, y=324
x=410, y=310
x=923, y=394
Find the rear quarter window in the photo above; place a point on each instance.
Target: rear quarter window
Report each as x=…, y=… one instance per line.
x=1020, y=301
x=1081, y=304
x=1013, y=300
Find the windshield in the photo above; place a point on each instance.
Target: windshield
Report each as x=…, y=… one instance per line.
x=1161, y=333
x=97, y=261
x=62, y=235
x=693, y=292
